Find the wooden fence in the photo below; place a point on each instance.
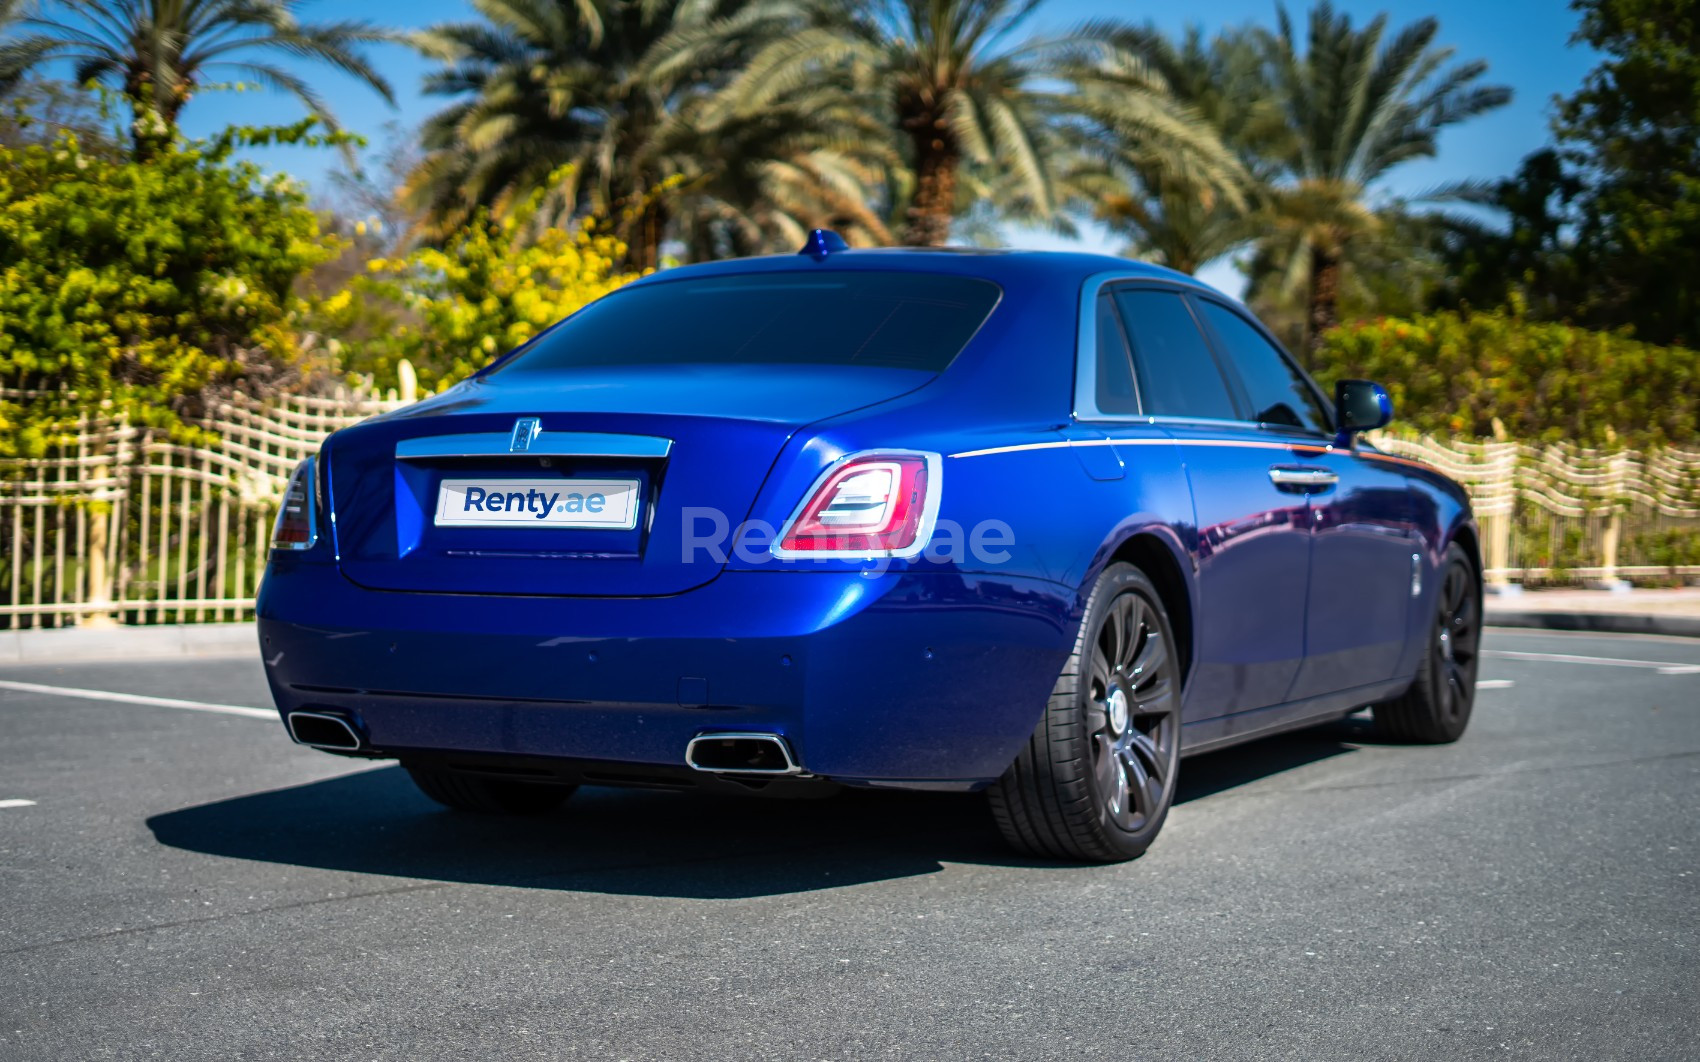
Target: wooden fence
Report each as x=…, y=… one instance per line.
x=124, y=525
x=1563, y=514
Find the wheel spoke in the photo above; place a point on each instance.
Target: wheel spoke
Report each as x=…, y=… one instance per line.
x=1097, y=718
x=1111, y=639
x=1124, y=632
x=1152, y=656
x=1157, y=698
x=1136, y=624
x=1100, y=675
x=1138, y=781
x=1456, y=691
x=1112, y=783
x=1145, y=748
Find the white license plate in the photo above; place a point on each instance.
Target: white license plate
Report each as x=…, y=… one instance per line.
x=606, y=503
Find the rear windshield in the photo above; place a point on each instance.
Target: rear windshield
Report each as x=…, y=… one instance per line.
x=890, y=320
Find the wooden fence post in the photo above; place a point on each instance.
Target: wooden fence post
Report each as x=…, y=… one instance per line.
x=1499, y=505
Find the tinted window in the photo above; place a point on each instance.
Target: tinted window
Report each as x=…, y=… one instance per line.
x=1279, y=392
x=1115, y=372
x=893, y=320
x=1178, y=377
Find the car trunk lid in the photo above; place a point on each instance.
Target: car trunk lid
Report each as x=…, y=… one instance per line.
x=479, y=489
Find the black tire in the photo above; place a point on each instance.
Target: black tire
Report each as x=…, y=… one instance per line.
x=488, y=796
x=1082, y=788
x=1436, y=709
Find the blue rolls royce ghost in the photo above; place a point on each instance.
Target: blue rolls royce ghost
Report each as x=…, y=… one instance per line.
x=1037, y=524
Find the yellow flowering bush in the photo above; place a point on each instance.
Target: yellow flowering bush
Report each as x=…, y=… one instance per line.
x=450, y=310
x=144, y=288
x=1456, y=374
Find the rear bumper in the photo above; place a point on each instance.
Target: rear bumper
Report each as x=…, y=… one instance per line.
x=903, y=678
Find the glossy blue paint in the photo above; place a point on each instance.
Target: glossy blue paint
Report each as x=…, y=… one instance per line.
x=619, y=646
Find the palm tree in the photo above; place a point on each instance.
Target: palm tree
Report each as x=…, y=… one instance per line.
x=1357, y=104
x=969, y=101
x=1177, y=208
x=547, y=84
x=158, y=52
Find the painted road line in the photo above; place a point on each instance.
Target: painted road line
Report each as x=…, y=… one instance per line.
x=1663, y=667
x=136, y=698
x=17, y=803
x=1495, y=684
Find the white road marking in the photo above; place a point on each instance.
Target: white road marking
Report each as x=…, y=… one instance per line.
x=17, y=803
x=1495, y=684
x=136, y=698
x=1663, y=667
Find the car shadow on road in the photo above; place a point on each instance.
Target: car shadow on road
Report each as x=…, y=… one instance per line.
x=639, y=842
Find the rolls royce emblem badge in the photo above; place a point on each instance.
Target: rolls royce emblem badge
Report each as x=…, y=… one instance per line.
x=525, y=430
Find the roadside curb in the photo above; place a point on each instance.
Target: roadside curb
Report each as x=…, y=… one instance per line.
x=1597, y=622
x=164, y=641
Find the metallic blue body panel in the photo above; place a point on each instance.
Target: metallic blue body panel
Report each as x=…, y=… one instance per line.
x=616, y=646
x=903, y=676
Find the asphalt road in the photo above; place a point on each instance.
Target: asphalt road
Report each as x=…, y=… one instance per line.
x=189, y=885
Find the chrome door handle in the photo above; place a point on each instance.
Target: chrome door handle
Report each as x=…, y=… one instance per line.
x=1306, y=479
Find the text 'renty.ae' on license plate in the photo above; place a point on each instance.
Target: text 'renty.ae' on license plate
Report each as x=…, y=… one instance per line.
x=605, y=503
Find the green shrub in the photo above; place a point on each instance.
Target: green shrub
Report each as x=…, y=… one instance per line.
x=1457, y=374
x=144, y=288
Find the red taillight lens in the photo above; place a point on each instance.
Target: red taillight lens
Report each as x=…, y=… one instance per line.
x=871, y=505
x=297, y=524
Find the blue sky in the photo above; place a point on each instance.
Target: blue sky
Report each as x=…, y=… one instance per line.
x=1524, y=41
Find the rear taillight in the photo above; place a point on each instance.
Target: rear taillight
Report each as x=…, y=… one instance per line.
x=297, y=524
x=878, y=504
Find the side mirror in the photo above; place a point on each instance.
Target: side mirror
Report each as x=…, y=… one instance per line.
x=1360, y=405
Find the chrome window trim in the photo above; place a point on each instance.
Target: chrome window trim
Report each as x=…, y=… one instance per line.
x=1086, y=359
x=1086, y=344
x=1211, y=335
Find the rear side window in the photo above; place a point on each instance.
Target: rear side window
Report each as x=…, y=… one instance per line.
x=889, y=320
x=1178, y=376
x=1280, y=394
x=1116, y=393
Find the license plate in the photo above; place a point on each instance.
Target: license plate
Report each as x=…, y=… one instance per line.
x=607, y=503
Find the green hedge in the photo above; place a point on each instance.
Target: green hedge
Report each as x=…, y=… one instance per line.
x=1455, y=374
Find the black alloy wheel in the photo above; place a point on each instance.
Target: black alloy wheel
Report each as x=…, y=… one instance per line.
x=1436, y=709
x=1096, y=779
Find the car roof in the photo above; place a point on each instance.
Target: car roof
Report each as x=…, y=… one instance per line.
x=1004, y=267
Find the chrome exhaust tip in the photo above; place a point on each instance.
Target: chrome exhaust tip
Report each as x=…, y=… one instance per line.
x=744, y=754
x=322, y=731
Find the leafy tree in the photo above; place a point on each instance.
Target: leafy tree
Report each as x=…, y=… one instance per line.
x=38, y=110
x=1633, y=131
x=10, y=12
x=583, y=87
x=1459, y=373
x=447, y=311
x=1534, y=259
x=144, y=288
x=1170, y=209
x=971, y=103
x=1357, y=103
x=1602, y=228
x=159, y=52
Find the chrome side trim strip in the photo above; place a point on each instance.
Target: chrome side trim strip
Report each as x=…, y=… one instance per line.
x=543, y=444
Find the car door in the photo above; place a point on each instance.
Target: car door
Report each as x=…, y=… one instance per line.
x=1360, y=515
x=1252, y=543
